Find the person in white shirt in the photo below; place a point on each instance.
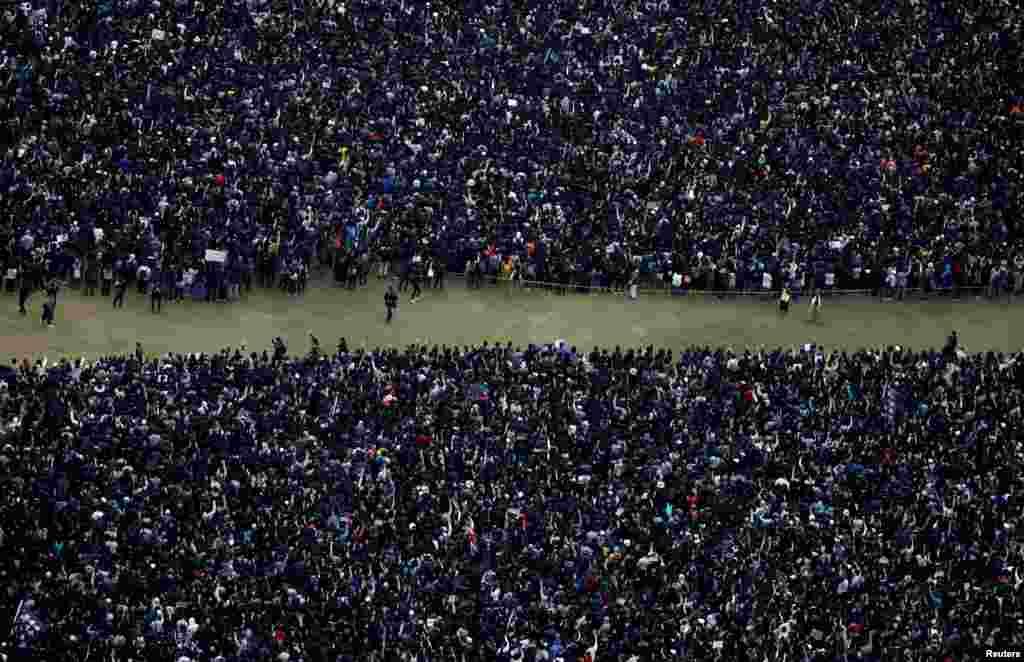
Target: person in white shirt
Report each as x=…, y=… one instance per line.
x=815, y=307
x=890, y=283
x=634, y=281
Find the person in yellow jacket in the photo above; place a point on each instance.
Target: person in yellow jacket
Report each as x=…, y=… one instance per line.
x=506, y=273
x=784, y=301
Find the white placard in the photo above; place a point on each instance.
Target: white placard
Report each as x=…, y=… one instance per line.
x=216, y=256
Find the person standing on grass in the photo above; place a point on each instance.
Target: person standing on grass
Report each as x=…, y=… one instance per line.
x=815, y=307
x=108, y=279
x=119, y=288
x=91, y=276
x=352, y=276
x=633, y=285
x=24, y=292
x=429, y=267
x=143, y=278
x=470, y=271
x=902, y=278
x=439, y=268
x=1018, y=274
x=179, y=285
x=52, y=288
x=784, y=301
x=364, y=267
x=156, y=297
x=390, y=302
x=414, y=280
x=405, y=275
x=48, y=308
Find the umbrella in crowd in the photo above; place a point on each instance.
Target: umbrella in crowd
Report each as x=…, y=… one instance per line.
x=818, y=143
x=513, y=504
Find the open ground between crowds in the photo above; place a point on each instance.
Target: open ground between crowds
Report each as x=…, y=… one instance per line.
x=89, y=326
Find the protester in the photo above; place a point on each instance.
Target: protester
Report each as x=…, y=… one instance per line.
x=156, y=298
x=814, y=307
x=24, y=293
x=414, y=281
x=390, y=302
x=119, y=289
x=784, y=300
x=48, y=313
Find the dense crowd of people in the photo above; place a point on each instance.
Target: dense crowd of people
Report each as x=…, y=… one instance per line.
x=513, y=504
x=732, y=143
x=497, y=502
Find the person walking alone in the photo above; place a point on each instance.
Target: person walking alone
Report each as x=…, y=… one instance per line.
x=156, y=297
x=390, y=302
x=414, y=280
x=52, y=288
x=439, y=268
x=815, y=308
x=24, y=292
x=119, y=288
x=48, y=308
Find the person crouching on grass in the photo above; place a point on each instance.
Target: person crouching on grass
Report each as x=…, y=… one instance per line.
x=784, y=301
